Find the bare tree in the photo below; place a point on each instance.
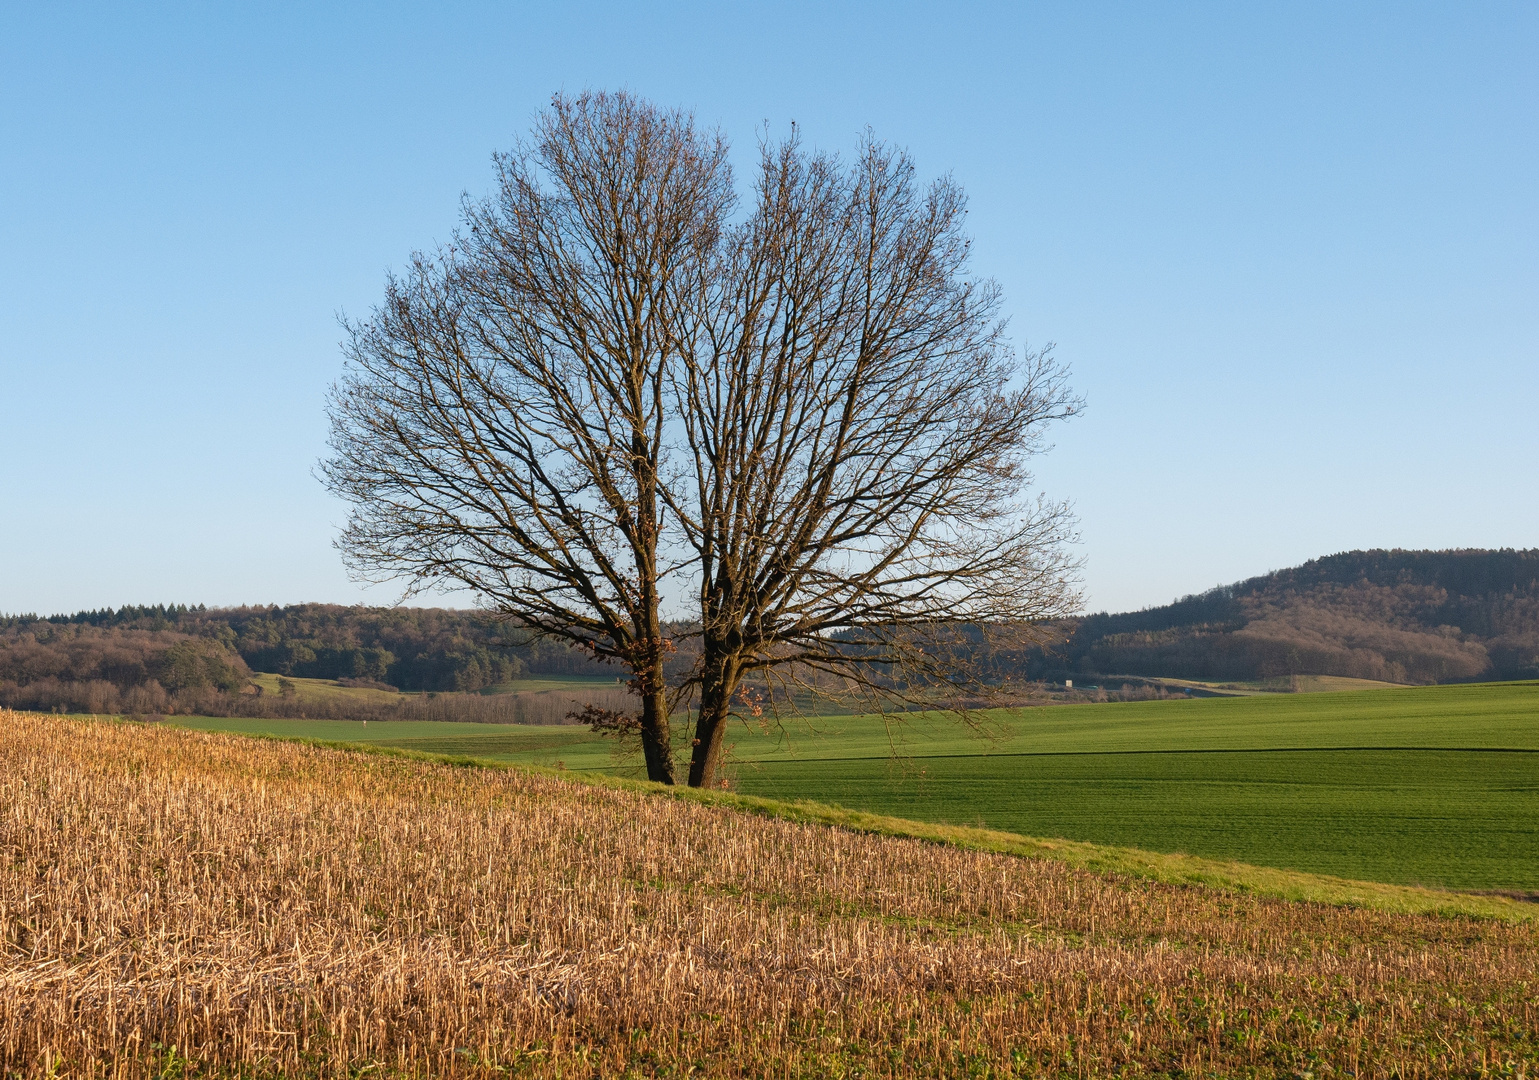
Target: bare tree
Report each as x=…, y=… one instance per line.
x=500, y=426
x=811, y=416
x=858, y=430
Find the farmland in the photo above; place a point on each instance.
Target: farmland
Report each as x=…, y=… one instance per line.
x=1434, y=785
x=182, y=903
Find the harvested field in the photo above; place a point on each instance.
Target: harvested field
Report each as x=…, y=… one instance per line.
x=271, y=908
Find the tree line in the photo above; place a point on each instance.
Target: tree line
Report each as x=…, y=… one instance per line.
x=1397, y=616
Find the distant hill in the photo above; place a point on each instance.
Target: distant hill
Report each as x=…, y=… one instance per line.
x=1396, y=616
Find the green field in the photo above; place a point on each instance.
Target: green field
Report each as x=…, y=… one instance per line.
x=1429, y=785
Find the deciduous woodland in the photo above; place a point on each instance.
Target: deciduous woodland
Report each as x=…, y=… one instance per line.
x=174, y=903
x=434, y=649
x=193, y=660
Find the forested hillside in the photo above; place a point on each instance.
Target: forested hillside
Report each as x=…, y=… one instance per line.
x=1396, y=616
x=146, y=659
x=408, y=648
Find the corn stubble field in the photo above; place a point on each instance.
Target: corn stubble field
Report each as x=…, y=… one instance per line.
x=277, y=909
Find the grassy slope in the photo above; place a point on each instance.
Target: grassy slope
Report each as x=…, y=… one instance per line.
x=1436, y=786
x=322, y=689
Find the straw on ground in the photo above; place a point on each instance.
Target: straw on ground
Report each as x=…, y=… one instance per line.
x=274, y=908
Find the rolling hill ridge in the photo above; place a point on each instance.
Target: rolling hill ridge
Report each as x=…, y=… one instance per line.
x=1396, y=616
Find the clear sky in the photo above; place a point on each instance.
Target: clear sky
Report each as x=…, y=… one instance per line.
x=1291, y=252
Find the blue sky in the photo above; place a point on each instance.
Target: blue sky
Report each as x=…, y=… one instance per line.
x=1289, y=251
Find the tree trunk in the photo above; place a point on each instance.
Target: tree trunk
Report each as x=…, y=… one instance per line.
x=656, y=737
x=711, y=725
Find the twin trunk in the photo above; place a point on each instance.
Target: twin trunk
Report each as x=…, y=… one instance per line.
x=710, y=727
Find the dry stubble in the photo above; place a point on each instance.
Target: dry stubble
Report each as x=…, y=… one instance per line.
x=271, y=908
